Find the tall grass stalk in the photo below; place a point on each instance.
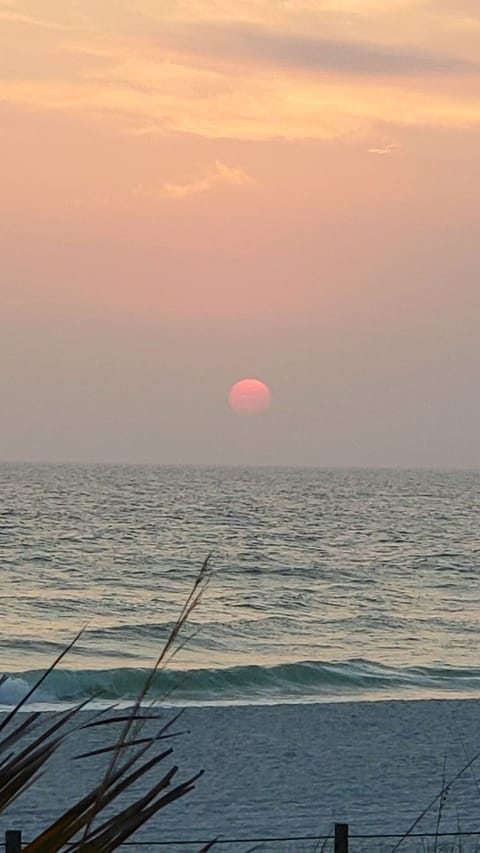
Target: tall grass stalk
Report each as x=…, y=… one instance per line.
x=86, y=827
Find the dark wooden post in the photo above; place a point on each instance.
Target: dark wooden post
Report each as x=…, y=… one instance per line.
x=341, y=838
x=13, y=841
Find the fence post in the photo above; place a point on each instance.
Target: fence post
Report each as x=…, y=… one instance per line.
x=341, y=838
x=13, y=841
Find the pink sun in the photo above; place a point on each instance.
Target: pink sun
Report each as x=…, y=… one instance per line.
x=249, y=396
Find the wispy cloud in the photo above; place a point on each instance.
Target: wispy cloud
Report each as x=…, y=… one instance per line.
x=316, y=69
x=391, y=148
x=12, y=14
x=220, y=173
x=248, y=43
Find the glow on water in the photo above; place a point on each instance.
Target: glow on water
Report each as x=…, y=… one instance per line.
x=326, y=566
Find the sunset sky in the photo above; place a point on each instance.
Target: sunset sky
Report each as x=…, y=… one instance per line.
x=196, y=192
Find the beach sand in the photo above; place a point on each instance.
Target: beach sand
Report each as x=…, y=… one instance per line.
x=275, y=770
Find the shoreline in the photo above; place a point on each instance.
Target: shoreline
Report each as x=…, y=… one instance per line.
x=159, y=704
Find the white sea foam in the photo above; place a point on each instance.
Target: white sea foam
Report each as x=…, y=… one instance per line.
x=12, y=690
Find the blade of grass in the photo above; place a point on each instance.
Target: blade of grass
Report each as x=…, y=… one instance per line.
x=40, y=681
x=193, y=599
x=74, y=820
x=432, y=802
x=128, y=743
x=14, y=736
x=142, y=813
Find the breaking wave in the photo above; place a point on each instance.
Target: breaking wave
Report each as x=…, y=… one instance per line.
x=302, y=681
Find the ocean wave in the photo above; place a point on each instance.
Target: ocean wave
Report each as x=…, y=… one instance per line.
x=304, y=680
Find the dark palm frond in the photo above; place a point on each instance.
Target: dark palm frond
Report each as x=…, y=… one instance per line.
x=74, y=819
x=122, y=719
x=10, y=716
x=124, y=824
x=132, y=759
x=128, y=743
x=19, y=769
x=18, y=733
x=15, y=778
x=60, y=721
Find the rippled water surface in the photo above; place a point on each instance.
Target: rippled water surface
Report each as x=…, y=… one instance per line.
x=328, y=582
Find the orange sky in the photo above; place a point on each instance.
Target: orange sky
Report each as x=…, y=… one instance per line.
x=193, y=192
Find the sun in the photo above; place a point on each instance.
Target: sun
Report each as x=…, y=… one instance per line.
x=249, y=396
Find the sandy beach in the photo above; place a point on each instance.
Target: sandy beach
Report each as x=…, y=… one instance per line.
x=294, y=770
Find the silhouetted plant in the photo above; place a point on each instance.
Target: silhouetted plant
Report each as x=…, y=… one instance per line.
x=84, y=827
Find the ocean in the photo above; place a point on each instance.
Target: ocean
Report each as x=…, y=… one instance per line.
x=332, y=670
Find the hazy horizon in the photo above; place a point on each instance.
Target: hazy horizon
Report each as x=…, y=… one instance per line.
x=46, y=463
x=194, y=195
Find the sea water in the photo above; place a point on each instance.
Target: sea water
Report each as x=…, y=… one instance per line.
x=330, y=588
